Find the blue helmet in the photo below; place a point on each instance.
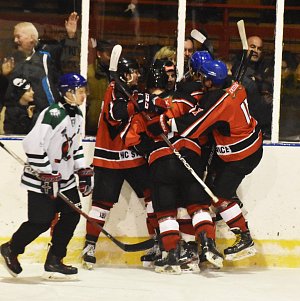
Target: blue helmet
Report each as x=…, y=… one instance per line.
x=198, y=58
x=70, y=82
x=214, y=70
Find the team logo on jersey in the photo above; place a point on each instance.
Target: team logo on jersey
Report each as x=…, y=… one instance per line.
x=65, y=149
x=54, y=112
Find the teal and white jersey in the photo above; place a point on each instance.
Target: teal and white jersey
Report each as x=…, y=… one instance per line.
x=54, y=144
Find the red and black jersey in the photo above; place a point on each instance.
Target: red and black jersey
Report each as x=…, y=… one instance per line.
x=137, y=127
x=110, y=151
x=235, y=131
x=193, y=88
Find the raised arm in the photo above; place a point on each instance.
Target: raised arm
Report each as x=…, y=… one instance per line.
x=71, y=25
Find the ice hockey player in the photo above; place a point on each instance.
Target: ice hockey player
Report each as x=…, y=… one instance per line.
x=54, y=155
x=172, y=182
x=238, y=144
x=194, y=86
x=113, y=162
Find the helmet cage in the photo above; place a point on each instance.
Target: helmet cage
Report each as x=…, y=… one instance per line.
x=126, y=66
x=158, y=76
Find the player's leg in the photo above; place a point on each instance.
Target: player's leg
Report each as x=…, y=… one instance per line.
x=226, y=184
x=41, y=211
x=62, y=233
x=164, y=196
x=139, y=179
x=108, y=184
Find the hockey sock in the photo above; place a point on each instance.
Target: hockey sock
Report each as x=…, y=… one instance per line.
x=232, y=215
x=202, y=220
x=98, y=213
x=169, y=229
x=185, y=222
x=151, y=220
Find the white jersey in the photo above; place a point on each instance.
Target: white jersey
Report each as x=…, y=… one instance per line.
x=54, y=145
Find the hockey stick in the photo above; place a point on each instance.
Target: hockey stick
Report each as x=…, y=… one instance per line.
x=113, y=67
x=201, y=38
x=198, y=36
x=244, y=67
x=144, y=245
x=243, y=37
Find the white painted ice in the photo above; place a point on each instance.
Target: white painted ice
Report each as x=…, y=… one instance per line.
x=136, y=284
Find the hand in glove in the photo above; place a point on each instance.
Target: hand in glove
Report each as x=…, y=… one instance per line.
x=86, y=180
x=50, y=183
x=151, y=103
x=159, y=125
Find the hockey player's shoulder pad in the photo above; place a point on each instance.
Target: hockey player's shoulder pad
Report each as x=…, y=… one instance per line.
x=54, y=115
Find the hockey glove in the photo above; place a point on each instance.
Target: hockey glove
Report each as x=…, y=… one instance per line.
x=151, y=103
x=86, y=180
x=50, y=183
x=159, y=125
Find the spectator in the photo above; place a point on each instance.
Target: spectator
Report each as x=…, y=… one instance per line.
x=37, y=67
x=22, y=116
x=189, y=49
x=166, y=53
x=6, y=67
x=98, y=79
x=258, y=80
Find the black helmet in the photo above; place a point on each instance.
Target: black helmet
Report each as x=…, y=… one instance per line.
x=126, y=66
x=157, y=74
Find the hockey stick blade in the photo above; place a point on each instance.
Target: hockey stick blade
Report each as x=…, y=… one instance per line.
x=114, y=58
x=144, y=245
x=198, y=36
x=242, y=33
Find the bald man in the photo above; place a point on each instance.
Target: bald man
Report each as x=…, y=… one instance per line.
x=258, y=80
x=255, y=43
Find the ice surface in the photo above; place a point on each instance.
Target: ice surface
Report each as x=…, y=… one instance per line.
x=137, y=284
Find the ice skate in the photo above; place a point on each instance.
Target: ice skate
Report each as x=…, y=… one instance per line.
x=56, y=270
x=209, y=251
x=169, y=264
x=188, y=260
x=11, y=261
x=243, y=246
x=88, y=255
x=152, y=255
x=204, y=264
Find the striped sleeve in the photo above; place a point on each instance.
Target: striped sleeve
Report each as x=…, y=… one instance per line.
x=35, y=145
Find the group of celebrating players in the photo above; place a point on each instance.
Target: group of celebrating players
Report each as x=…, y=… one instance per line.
x=151, y=139
x=201, y=117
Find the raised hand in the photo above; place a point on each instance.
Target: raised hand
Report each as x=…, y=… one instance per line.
x=71, y=24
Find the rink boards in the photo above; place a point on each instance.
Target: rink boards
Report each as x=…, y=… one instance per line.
x=270, y=195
